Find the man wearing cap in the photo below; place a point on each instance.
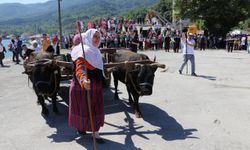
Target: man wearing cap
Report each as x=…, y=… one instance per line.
x=188, y=52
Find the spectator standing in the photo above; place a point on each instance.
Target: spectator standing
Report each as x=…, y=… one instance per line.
x=176, y=43
x=167, y=40
x=12, y=48
x=134, y=42
x=55, y=42
x=243, y=44
x=141, y=39
x=45, y=41
x=202, y=42
x=2, y=51
x=188, y=52
x=19, y=49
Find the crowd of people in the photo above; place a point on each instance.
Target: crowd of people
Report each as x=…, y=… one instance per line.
x=236, y=42
x=123, y=33
x=117, y=33
x=142, y=34
x=20, y=48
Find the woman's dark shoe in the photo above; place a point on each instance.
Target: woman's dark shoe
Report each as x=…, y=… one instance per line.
x=81, y=132
x=194, y=74
x=180, y=72
x=100, y=140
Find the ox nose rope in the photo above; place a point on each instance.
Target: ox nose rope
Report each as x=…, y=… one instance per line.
x=54, y=75
x=129, y=76
x=133, y=84
x=147, y=84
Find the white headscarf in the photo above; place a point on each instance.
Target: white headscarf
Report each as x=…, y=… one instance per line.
x=92, y=54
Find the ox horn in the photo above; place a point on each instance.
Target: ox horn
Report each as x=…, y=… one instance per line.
x=137, y=65
x=112, y=69
x=30, y=65
x=127, y=63
x=47, y=62
x=163, y=66
x=64, y=64
x=43, y=61
x=110, y=65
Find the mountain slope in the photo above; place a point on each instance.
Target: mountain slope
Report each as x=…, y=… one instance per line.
x=16, y=10
x=43, y=17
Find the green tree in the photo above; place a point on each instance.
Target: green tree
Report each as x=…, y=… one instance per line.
x=136, y=13
x=245, y=25
x=164, y=7
x=219, y=16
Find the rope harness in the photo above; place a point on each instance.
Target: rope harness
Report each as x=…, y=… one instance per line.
x=138, y=91
x=128, y=75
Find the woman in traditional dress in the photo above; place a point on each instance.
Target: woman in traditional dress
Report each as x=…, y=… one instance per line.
x=78, y=105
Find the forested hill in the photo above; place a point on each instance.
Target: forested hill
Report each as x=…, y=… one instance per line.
x=42, y=17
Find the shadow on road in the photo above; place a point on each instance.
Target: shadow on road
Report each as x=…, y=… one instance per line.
x=212, y=78
x=6, y=66
x=64, y=133
x=169, y=128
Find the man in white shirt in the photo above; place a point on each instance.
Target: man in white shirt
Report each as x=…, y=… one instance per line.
x=243, y=43
x=188, y=52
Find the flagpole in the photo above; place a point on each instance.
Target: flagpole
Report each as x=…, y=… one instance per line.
x=60, y=23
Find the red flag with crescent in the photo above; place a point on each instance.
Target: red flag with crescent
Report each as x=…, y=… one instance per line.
x=104, y=26
x=90, y=24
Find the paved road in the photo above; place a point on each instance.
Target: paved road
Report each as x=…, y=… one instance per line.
x=209, y=112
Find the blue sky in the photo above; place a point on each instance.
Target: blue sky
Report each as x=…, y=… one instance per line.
x=22, y=1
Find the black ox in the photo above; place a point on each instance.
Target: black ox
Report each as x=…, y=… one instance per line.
x=45, y=75
x=137, y=77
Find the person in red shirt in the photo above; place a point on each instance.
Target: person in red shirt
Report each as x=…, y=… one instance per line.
x=55, y=42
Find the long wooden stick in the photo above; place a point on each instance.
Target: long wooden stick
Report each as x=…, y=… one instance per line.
x=88, y=91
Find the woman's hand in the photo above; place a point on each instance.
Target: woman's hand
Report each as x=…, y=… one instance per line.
x=87, y=84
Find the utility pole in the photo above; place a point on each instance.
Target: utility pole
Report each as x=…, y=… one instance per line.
x=173, y=12
x=60, y=23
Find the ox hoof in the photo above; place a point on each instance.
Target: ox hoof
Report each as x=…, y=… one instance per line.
x=116, y=98
x=131, y=103
x=38, y=103
x=45, y=113
x=137, y=115
x=56, y=112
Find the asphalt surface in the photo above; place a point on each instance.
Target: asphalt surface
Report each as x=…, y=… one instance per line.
x=208, y=112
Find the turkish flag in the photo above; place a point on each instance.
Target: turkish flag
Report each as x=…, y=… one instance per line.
x=90, y=24
x=104, y=26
